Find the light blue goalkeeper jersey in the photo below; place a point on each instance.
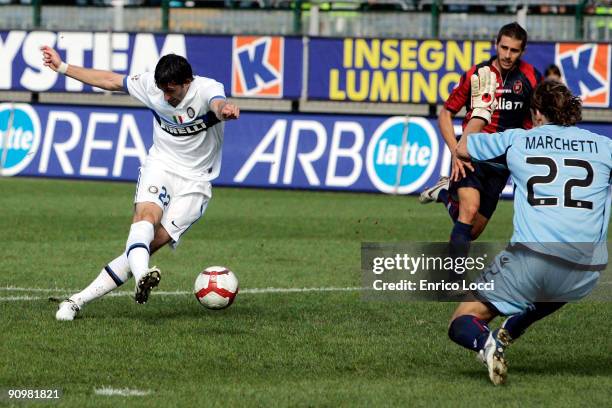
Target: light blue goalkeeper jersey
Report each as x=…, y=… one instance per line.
x=562, y=187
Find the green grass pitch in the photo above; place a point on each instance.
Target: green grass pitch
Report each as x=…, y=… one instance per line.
x=271, y=349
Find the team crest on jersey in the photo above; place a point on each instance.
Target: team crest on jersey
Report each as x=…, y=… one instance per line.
x=257, y=66
x=517, y=87
x=586, y=70
x=190, y=112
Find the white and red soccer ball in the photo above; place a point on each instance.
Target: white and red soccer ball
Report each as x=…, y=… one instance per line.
x=216, y=287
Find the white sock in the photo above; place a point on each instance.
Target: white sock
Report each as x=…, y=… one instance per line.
x=137, y=247
x=111, y=276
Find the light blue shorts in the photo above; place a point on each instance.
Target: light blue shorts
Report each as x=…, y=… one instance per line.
x=518, y=278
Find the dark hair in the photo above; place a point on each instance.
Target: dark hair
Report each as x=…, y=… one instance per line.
x=552, y=69
x=513, y=30
x=173, y=69
x=555, y=101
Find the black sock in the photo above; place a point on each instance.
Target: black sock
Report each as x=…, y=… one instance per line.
x=517, y=324
x=460, y=239
x=452, y=206
x=443, y=197
x=469, y=331
x=461, y=232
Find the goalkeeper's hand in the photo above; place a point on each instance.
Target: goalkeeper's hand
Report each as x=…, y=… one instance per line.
x=484, y=86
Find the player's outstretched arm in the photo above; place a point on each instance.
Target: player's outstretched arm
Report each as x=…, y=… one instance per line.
x=102, y=79
x=475, y=125
x=225, y=110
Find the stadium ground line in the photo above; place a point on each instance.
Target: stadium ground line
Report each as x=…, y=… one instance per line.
x=66, y=292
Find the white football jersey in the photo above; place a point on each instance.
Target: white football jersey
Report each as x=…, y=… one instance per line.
x=187, y=139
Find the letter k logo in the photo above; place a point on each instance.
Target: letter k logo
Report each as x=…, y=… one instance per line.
x=257, y=66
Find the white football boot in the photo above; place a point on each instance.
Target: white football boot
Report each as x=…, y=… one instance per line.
x=493, y=355
x=67, y=310
x=145, y=284
x=430, y=195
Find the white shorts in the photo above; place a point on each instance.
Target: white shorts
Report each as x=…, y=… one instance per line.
x=183, y=201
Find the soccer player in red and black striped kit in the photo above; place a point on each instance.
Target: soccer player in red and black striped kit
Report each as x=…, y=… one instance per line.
x=473, y=189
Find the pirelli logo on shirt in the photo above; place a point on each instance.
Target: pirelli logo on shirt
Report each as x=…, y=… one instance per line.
x=190, y=129
x=187, y=129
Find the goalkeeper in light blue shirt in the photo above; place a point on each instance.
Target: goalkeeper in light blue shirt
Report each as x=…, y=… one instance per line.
x=561, y=175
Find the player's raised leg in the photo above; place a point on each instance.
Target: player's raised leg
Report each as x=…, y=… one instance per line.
x=436, y=193
x=440, y=193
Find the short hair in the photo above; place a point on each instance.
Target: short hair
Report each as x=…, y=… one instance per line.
x=555, y=101
x=173, y=69
x=513, y=30
x=552, y=69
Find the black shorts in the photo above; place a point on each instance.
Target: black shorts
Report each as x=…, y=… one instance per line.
x=489, y=179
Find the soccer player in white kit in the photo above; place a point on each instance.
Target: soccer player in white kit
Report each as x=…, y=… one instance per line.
x=173, y=187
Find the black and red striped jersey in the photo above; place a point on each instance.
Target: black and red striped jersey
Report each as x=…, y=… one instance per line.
x=513, y=96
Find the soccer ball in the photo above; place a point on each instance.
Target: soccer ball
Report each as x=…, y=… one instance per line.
x=216, y=287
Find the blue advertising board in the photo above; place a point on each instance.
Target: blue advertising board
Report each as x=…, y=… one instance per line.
x=323, y=152
x=248, y=66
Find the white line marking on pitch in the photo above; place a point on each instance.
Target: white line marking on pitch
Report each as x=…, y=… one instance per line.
x=123, y=392
x=17, y=298
x=163, y=293
x=15, y=289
